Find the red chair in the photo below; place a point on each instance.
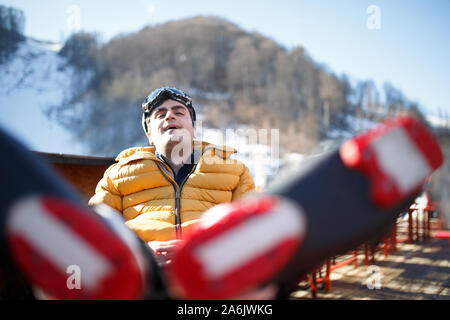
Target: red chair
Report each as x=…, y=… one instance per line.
x=330, y=265
x=443, y=235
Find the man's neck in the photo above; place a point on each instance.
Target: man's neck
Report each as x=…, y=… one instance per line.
x=177, y=162
x=175, y=166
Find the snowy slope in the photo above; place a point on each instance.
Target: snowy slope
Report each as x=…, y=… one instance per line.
x=31, y=81
x=439, y=122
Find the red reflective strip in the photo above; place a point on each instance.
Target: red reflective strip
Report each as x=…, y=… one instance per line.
x=197, y=285
x=358, y=154
x=385, y=191
x=189, y=273
x=239, y=213
x=41, y=270
x=125, y=282
x=423, y=139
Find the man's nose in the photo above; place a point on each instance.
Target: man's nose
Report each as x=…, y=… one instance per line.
x=170, y=114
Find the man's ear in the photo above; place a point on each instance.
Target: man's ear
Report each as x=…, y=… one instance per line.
x=149, y=139
x=194, y=125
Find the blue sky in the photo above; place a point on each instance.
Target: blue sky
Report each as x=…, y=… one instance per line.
x=410, y=50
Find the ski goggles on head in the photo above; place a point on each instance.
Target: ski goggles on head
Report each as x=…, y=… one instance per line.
x=158, y=96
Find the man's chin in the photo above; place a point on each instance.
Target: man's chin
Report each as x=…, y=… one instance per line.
x=174, y=138
x=177, y=135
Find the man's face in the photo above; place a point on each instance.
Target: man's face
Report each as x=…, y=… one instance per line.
x=169, y=124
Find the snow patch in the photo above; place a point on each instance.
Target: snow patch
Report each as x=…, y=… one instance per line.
x=34, y=79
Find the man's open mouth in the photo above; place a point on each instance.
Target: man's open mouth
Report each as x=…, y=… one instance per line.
x=171, y=127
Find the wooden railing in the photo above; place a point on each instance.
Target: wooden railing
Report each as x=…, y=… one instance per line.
x=82, y=172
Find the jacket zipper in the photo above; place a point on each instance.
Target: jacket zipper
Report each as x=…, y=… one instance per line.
x=178, y=232
x=177, y=188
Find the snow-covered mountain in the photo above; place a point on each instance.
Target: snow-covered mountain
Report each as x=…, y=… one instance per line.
x=33, y=79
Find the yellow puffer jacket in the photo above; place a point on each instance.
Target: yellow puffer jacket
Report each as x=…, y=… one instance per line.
x=143, y=189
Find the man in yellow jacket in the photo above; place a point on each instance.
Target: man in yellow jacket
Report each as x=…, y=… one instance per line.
x=162, y=190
